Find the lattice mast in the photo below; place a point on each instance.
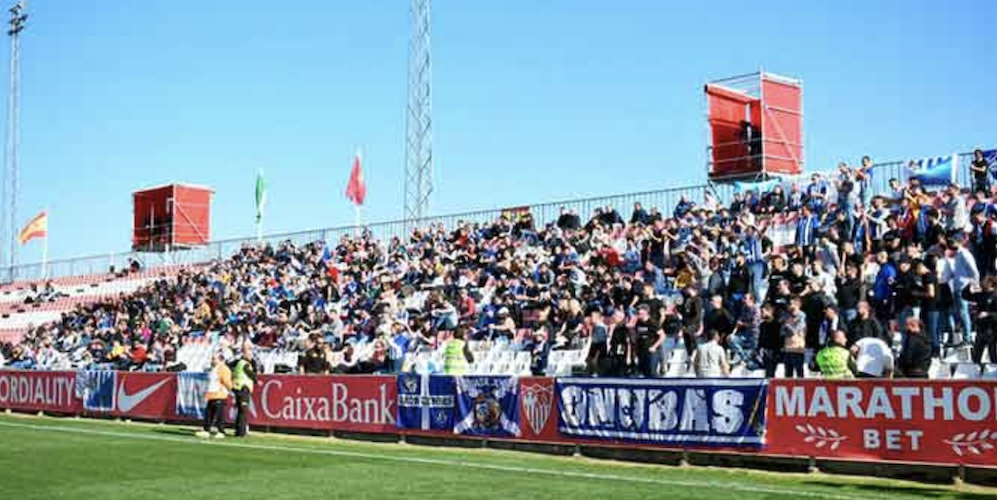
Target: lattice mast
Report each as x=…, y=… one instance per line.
x=11, y=189
x=418, y=118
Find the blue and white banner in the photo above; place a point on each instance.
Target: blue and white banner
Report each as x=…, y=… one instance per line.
x=191, y=387
x=691, y=412
x=426, y=402
x=488, y=406
x=759, y=186
x=991, y=159
x=935, y=171
x=97, y=389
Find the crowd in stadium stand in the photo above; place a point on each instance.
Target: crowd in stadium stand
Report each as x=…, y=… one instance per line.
x=869, y=285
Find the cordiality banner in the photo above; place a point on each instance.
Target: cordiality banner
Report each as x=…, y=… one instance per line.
x=944, y=422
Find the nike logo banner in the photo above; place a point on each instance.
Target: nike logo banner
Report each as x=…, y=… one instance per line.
x=128, y=402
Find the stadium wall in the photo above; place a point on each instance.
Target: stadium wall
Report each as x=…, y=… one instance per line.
x=928, y=430
x=543, y=213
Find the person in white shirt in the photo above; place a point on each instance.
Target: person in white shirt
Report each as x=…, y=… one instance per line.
x=956, y=211
x=964, y=273
x=873, y=358
x=710, y=359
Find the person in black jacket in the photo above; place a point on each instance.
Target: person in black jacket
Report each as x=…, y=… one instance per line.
x=620, y=348
x=849, y=291
x=639, y=215
x=985, y=298
x=718, y=317
x=770, y=340
x=866, y=325
x=915, y=355
x=692, y=317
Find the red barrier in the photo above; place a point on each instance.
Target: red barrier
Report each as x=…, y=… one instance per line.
x=346, y=403
x=903, y=420
x=39, y=391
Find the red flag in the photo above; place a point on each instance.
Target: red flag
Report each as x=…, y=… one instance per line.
x=356, y=190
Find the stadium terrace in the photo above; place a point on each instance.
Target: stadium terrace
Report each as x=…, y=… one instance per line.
x=842, y=274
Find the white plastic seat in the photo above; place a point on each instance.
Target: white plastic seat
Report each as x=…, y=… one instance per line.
x=939, y=370
x=677, y=370
x=678, y=356
x=966, y=371
x=961, y=354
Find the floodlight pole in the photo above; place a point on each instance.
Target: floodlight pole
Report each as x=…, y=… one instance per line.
x=18, y=18
x=418, y=117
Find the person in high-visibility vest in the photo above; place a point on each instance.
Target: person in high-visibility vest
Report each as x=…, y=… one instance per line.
x=456, y=354
x=243, y=379
x=219, y=384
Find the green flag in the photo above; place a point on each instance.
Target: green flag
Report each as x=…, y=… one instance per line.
x=261, y=195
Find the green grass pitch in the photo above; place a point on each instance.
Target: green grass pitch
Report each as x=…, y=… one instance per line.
x=49, y=458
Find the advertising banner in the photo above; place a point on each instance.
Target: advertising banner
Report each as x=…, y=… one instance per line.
x=146, y=395
x=39, y=391
x=936, y=421
x=356, y=403
x=684, y=412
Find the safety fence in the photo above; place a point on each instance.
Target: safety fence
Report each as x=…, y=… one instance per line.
x=543, y=213
x=905, y=421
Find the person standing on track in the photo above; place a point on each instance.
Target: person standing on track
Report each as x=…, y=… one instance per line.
x=219, y=384
x=243, y=380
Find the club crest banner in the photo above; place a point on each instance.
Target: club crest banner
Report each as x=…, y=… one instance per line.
x=487, y=406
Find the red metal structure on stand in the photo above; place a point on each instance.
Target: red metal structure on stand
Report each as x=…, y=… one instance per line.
x=174, y=216
x=756, y=127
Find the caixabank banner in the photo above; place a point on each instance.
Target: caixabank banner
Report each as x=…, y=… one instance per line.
x=357, y=403
x=951, y=422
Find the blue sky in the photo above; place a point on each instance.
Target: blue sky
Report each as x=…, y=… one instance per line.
x=533, y=101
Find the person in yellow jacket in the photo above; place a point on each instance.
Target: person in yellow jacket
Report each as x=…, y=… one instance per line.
x=219, y=385
x=243, y=380
x=457, y=354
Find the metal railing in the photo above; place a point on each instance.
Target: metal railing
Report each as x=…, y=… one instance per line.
x=543, y=214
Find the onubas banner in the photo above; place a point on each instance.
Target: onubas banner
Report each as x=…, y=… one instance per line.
x=676, y=412
x=951, y=422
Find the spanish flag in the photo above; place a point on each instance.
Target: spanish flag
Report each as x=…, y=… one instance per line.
x=37, y=228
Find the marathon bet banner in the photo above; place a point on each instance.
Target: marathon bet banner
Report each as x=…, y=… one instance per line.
x=951, y=422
